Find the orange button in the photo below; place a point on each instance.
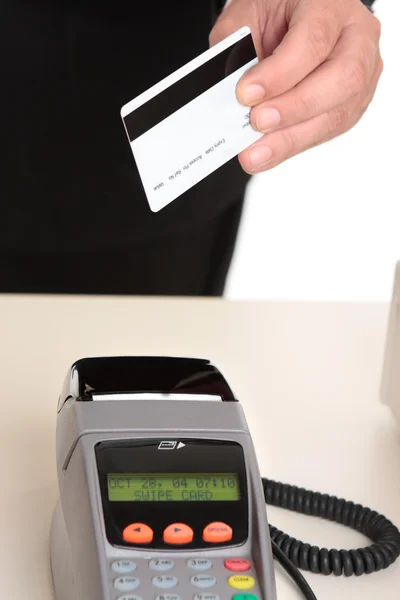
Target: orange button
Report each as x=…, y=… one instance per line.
x=215, y=533
x=178, y=533
x=138, y=533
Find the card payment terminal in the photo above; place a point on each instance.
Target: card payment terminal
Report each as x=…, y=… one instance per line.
x=160, y=493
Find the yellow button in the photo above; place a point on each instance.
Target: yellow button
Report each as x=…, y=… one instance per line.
x=241, y=582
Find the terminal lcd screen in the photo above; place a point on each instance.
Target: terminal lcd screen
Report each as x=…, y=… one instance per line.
x=173, y=487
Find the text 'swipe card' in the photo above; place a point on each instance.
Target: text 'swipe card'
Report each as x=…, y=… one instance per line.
x=191, y=123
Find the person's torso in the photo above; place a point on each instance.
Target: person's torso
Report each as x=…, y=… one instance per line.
x=67, y=69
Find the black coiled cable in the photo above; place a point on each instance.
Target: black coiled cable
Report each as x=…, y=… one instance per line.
x=380, y=555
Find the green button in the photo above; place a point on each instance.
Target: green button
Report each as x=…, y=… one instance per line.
x=244, y=597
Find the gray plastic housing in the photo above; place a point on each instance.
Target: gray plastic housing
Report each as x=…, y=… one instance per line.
x=80, y=552
x=390, y=383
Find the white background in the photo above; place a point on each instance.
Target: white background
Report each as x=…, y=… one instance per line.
x=325, y=225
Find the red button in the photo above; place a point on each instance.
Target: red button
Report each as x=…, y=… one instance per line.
x=216, y=533
x=237, y=564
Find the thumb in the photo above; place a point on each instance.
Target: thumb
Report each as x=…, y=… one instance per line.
x=233, y=17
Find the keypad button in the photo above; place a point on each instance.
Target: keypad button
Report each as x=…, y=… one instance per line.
x=168, y=597
x=237, y=564
x=161, y=564
x=203, y=581
x=178, y=533
x=241, y=582
x=123, y=566
x=244, y=597
x=206, y=597
x=216, y=533
x=130, y=597
x=199, y=564
x=165, y=581
x=126, y=584
x=138, y=533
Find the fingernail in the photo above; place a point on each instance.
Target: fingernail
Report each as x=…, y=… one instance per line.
x=253, y=93
x=259, y=156
x=267, y=118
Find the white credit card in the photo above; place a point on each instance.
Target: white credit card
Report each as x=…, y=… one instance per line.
x=191, y=123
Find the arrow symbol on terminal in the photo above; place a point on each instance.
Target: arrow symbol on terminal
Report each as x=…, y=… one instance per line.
x=180, y=445
x=176, y=529
x=137, y=529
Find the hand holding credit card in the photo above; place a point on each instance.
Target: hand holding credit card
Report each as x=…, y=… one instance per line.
x=191, y=123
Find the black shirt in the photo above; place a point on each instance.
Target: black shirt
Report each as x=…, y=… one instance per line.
x=68, y=177
x=68, y=180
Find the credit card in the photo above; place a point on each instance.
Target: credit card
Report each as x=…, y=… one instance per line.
x=191, y=123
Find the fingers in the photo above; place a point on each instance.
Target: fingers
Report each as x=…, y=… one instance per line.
x=347, y=73
x=314, y=30
x=278, y=146
x=317, y=80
